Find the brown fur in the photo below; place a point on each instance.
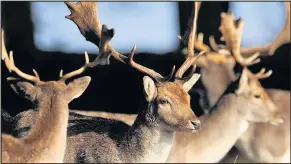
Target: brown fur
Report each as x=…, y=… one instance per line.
x=92, y=139
x=46, y=141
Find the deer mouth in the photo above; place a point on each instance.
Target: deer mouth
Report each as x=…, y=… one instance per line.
x=276, y=121
x=193, y=126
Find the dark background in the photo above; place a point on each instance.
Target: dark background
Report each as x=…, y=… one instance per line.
x=117, y=87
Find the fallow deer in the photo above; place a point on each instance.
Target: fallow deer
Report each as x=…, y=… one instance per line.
x=46, y=141
x=224, y=126
x=165, y=109
x=253, y=142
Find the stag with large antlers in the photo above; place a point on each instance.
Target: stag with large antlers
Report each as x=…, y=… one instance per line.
x=261, y=151
x=43, y=143
x=165, y=109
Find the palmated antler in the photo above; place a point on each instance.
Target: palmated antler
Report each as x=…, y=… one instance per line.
x=85, y=16
x=106, y=36
x=282, y=38
x=232, y=33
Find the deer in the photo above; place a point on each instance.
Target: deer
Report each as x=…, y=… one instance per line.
x=43, y=143
x=220, y=68
x=253, y=143
x=268, y=115
x=165, y=108
x=197, y=60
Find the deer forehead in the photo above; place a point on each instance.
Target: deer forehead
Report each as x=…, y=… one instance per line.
x=174, y=91
x=53, y=85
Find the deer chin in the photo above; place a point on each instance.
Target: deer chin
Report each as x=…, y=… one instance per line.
x=188, y=127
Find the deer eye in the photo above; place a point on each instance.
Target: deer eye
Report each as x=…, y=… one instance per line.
x=164, y=101
x=257, y=96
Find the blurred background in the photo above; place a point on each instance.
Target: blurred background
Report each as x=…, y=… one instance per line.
x=43, y=39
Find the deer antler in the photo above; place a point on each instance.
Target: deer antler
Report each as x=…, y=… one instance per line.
x=5, y=55
x=262, y=74
x=158, y=77
x=185, y=39
x=232, y=33
x=106, y=36
x=85, y=16
x=282, y=38
x=9, y=62
x=191, y=31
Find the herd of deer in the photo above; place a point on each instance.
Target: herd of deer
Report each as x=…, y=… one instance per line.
x=240, y=113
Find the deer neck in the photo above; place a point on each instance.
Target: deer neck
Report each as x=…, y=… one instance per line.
x=147, y=142
x=215, y=88
x=50, y=129
x=218, y=134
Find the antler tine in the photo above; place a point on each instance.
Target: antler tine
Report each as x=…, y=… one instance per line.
x=191, y=40
x=5, y=55
x=232, y=33
x=85, y=16
x=198, y=44
x=282, y=38
x=262, y=74
x=193, y=67
x=216, y=47
x=76, y=72
x=158, y=77
x=23, y=75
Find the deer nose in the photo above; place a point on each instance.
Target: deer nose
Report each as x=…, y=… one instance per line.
x=196, y=124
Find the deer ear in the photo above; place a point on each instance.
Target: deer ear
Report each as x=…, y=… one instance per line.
x=202, y=62
x=23, y=89
x=149, y=88
x=243, y=82
x=77, y=87
x=189, y=84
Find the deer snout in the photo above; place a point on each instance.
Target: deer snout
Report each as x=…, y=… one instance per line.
x=276, y=120
x=196, y=123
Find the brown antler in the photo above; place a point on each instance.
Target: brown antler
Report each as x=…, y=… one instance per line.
x=262, y=74
x=13, y=68
x=232, y=33
x=199, y=42
x=192, y=25
x=106, y=36
x=9, y=62
x=85, y=16
x=4, y=54
x=158, y=77
x=282, y=38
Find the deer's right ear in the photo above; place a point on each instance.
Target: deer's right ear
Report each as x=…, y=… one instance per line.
x=22, y=88
x=78, y=86
x=149, y=88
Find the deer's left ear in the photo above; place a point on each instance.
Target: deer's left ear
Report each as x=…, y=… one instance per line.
x=149, y=88
x=189, y=84
x=23, y=88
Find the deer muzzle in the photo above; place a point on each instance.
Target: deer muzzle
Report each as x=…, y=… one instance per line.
x=276, y=120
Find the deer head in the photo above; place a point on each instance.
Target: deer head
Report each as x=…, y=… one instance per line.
x=43, y=90
x=259, y=106
x=169, y=99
